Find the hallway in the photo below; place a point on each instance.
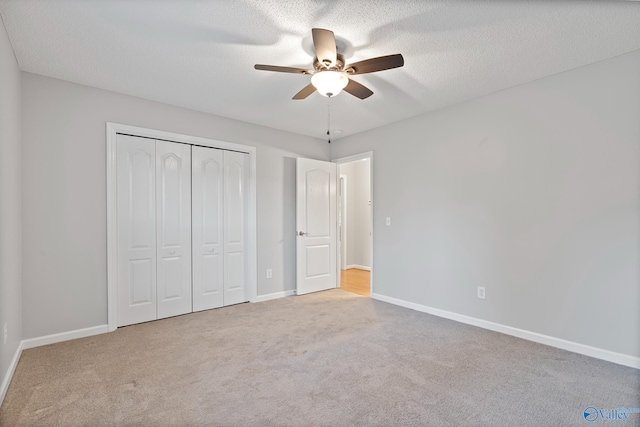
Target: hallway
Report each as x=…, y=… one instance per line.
x=356, y=281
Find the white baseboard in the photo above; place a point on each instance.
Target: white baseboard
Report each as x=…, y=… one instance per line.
x=6, y=380
x=275, y=295
x=598, y=353
x=359, y=267
x=64, y=336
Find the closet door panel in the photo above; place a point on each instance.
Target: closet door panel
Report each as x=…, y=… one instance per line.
x=235, y=195
x=136, y=229
x=173, y=227
x=208, y=228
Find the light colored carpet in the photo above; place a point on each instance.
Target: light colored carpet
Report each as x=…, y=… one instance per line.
x=330, y=358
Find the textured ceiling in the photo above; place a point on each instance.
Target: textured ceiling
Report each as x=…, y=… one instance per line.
x=200, y=54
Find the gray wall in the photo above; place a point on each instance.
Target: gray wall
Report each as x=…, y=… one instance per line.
x=64, y=195
x=532, y=192
x=358, y=216
x=10, y=210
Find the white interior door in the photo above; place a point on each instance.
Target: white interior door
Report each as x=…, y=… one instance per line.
x=136, y=229
x=316, y=225
x=207, y=204
x=236, y=178
x=173, y=227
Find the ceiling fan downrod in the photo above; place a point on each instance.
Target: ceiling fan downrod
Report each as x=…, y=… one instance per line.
x=329, y=119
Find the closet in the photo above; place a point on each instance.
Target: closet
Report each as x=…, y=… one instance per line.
x=181, y=228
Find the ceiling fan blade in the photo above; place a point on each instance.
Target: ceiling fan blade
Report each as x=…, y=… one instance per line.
x=358, y=90
x=324, y=42
x=376, y=64
x=306, y=91
x=282, y=69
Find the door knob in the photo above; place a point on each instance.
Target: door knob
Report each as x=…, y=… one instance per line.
x=172, y=252
x=212, y=250
x=302, y=233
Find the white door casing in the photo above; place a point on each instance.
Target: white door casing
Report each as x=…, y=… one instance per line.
x=235, y=193
x=342, y=223
x=136, y=228
x=316, y=225
x=173, y=226
x=208, y=227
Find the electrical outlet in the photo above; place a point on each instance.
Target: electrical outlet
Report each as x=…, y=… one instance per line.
x=269, y=273
x=481, y=292
x=388, y=221
x=6, y=332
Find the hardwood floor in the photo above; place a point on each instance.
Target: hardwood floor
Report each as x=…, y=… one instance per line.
x=356, y=281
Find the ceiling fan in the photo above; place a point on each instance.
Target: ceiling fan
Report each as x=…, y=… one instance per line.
x=330, y=74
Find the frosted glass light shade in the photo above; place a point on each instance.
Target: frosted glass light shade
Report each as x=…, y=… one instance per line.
x=329, y=83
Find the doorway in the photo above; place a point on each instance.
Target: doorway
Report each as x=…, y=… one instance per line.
x=355, y=231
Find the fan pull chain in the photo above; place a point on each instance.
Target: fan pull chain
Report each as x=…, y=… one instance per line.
x=329, y=120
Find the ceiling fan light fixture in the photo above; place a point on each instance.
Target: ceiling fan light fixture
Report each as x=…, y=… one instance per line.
x=329, y=83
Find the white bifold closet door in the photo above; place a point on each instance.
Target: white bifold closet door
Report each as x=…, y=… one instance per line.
x=154, y=229
x=208, y=228
x=136, y=224
x=219, y=222
x=173, y=227
x=236, y=177
x=181, y=221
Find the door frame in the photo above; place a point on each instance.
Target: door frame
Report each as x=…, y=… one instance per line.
x=342, y=197
x=113, y=129
x=353, y=158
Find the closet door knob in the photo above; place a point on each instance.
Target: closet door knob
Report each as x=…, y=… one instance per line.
x=172, y=252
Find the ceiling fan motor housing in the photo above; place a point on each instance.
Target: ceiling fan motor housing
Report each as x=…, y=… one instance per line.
x=338, y=66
